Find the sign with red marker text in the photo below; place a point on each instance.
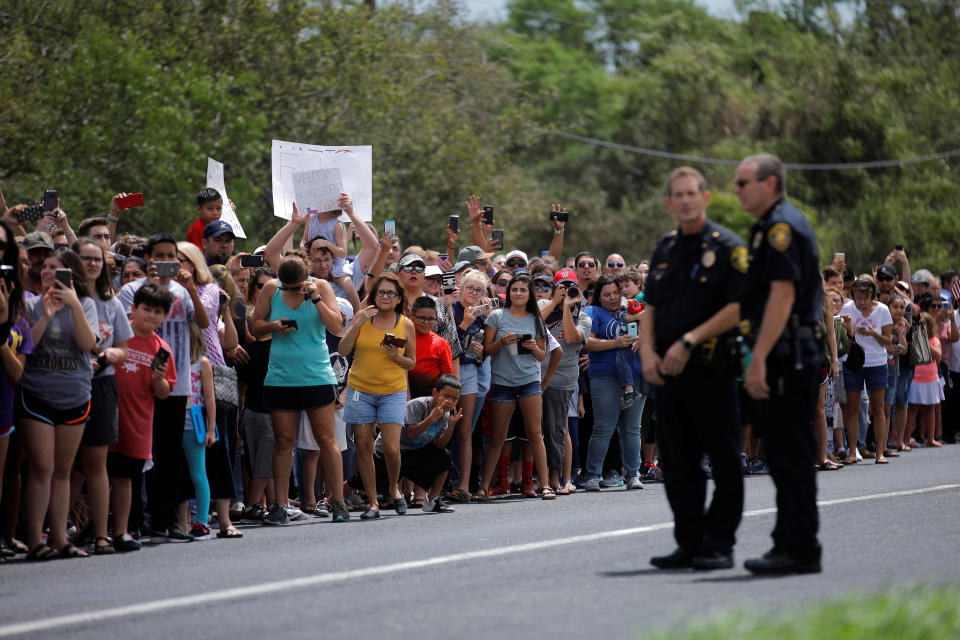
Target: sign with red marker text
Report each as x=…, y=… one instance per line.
x=314, y=164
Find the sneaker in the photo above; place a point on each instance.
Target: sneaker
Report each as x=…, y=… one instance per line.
x=354, y=501
x=277, y=516
x=254, y=512
x=370, y=514
x=322, y=510
x=653, y=473
x=295, y=515
x=758, y=466
x=400, y=506
x=612, y=479
x=627, y=399
x=633, y=483
x=437, y=506
x=514, y=487
x=591, y=484
x=171, y=534
x=236, y=510
x=744, y=464
x=859, y=455
x=340, y=512
x=200, y=531
x=126, y=542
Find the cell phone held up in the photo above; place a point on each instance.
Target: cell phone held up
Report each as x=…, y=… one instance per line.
x=31, y=213
x=449, y=280
x=7, y=272
x=496, y=237
x=130, y=201
x=51, y=200
x=253, y=262
x=488, y=214
x=560, y=216
x=389, y=338
x=167, y=269
x=454, y=224
x=390, y=226
x=160, y=359
x=64, y=277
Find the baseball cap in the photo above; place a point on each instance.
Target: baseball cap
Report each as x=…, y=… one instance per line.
x=472, y=253
x=433, y=271
x=410, y=258
x=463, y=264
x=887, y=270
x=516, y=253
x=259, y=251
x=37, y=240
x=565, y=275
x=217, y=228
x=521, y=272
x=544, y=277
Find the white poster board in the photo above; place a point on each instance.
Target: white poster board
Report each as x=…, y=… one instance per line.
x=317, y=190
x=356, y=174
x=215, y=181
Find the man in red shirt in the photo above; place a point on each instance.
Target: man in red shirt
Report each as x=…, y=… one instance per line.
x=209, y=208
x=433, y=352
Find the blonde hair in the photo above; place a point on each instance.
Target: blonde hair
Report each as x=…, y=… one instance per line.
x=226, y=283
x=198, y=346
x=201, y=271
x=480, y=279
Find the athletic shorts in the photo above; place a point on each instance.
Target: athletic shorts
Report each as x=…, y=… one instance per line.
x=101, y=428
x=30, y=407
x=299, y=398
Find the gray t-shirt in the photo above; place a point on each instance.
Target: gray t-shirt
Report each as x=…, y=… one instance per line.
x=507, y=367
x=57, y=371
x=175, y=330
x=114, y=327
x=417, y=411
x=567, y=374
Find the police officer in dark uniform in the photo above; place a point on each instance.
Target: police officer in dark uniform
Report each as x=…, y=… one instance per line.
x=782, y=302
x=693, y=296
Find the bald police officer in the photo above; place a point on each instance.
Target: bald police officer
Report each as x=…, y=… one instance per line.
x=783, y=303
x=693, y=302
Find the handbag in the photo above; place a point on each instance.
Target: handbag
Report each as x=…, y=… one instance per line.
x=919, y=351
x=225, y=387
x=855, y=357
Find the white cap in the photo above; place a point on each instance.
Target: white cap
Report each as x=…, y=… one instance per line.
x=516, y=253
x=432, y=270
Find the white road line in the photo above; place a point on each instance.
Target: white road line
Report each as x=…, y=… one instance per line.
x=167, y=604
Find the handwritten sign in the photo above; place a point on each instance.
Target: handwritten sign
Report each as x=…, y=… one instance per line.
x=215, y=181
x=317, y=190
x=356, y=175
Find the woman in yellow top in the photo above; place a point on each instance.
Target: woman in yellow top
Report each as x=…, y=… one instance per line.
x=377, y=384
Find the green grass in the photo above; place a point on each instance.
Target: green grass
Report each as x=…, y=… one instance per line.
x=911, y=613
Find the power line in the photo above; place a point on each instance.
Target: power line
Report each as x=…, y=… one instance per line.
x=831, y=166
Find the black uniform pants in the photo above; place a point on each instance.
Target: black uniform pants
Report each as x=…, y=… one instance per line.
x=163, y=481
x=697, y=414
x=787, y=420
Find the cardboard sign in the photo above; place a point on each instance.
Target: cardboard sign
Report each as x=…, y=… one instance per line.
x=215, y=181
x=317, y=190
x=356, y=175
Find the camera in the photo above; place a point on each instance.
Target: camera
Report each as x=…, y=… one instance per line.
x=560, y=216
x=573, y=291
x=167, y=269
x=251, y=261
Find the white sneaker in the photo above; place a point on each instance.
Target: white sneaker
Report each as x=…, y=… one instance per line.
x=427, y=505
x=294, y=514
x=859, y=457
x=633, y=483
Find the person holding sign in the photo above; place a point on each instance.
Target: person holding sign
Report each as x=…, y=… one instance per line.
x=326, y=230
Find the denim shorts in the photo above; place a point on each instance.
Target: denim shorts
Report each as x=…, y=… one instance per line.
x=874, y=378
x=367, y=408
x=501, y=393
x=903, y=387
x=468, y=378
x=891, y=393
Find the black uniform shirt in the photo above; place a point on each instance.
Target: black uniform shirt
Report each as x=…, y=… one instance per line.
x=691, y=278
x=783, y=247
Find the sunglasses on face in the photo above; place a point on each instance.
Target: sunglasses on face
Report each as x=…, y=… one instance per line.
x=385, y=294
x=885, y=278
x=516, y=262
x=543, y=287
x=615, y=265
x=410, y=268
x=586, y=265
x=502, y=283
x=740, y=182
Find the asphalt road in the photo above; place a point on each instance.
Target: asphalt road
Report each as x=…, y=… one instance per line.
x=574, y=567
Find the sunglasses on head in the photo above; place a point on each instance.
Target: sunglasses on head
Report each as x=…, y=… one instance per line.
x=516, y=262
x=410, y=268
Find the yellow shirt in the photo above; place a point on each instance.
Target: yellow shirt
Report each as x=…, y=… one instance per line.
x=373, y=371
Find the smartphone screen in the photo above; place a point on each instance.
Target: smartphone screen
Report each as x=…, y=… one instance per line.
x=520, y=348
x=454, y=223
x=390, y=226
x=497, y=237
x=64, y=276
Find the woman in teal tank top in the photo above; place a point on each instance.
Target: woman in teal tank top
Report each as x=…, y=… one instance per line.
x=298, y=311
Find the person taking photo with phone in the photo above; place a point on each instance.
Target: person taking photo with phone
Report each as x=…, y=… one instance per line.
x=53, y=399
x=383, y=342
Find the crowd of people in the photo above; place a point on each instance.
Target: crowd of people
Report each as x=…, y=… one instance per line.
x=154, y=386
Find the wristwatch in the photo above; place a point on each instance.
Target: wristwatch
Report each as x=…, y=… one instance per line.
x=316, y=300
x=687, y=344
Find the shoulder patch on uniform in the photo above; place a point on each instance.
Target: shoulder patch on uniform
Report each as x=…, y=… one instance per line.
x=738, y=259
x=780, y=236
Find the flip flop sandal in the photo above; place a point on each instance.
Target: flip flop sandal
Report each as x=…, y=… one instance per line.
x=230, y=532
x=72, y=551
x=42, y=553
x=415, y=504
x=106, y=548
x=458, y=496
x=16, y=546
x=481, y=495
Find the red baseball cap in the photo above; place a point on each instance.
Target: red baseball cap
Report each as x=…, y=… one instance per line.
x=565, y=275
